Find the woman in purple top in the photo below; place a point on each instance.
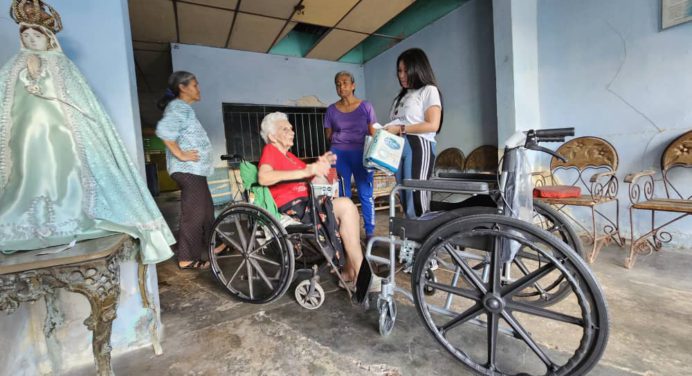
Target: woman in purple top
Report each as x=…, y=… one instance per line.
x=346, y=124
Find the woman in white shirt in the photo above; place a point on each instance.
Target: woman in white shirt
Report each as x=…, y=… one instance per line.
x=417, y=115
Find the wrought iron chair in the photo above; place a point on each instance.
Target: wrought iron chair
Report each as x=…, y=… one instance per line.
x=676, y=157
x=482, y=159
x=591, y=165
x=449, y=160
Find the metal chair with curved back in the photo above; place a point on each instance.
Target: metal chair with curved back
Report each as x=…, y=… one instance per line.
x=449, y=160
x=482, y=159
x=591, y=165
x=676, y=157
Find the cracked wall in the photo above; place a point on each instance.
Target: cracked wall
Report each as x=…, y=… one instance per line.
x=605, y=69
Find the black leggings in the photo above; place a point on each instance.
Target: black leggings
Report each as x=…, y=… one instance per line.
x=417, y=164
x=196, y=216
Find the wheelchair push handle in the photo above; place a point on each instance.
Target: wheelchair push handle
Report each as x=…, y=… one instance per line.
x=230, y=157
x=554, y=134
x=533, y=137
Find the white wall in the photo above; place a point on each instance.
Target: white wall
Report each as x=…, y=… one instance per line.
x=460, y=49
x=97, y=39
x=231, y=76
x=606, y=69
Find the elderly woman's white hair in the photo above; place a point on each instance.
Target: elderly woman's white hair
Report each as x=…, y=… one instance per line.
x=268, y=125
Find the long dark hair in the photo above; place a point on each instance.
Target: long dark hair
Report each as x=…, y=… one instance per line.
x=418, y=74
x=173, y=91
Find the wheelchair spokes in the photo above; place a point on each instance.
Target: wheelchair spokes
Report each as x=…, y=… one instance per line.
x=257, y=264
x=481, y=298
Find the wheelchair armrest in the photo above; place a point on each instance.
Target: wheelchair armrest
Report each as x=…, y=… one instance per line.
x=490, y=178
x=447, y=185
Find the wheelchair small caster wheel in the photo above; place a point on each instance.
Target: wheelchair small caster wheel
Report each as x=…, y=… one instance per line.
x=429, y=277
x=308, y=299
x=387, y=316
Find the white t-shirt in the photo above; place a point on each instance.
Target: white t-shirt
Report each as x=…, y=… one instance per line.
x=411, y=109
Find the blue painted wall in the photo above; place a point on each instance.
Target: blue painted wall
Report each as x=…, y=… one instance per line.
x=97, y=39
x=460, y=49
x=231, y=76
x=606, y=69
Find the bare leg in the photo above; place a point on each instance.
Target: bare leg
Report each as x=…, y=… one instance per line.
x=347, y=215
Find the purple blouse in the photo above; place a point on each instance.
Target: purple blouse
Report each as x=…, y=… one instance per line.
x=349, y=128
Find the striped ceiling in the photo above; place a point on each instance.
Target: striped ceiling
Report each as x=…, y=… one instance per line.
x=351, y=31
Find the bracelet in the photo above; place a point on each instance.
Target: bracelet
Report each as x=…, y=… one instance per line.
x=402, y=132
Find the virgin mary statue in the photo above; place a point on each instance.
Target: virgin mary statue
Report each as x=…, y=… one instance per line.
x=64, y=173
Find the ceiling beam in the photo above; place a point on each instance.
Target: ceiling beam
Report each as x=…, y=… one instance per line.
x=207, y=5
x=295, y=9
x=141, y=73
x=148, y=41
x=332, y=28
x=177, y=22
x=235, y=15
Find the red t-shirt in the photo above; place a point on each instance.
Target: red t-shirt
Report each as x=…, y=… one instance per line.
x=285, y=192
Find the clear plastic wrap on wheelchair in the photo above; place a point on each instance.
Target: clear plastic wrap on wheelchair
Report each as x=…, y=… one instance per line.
x=485, y=280
x=263, y=255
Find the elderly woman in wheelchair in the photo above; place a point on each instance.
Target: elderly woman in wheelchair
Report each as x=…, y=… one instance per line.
x=283, y=173
x=290, y=221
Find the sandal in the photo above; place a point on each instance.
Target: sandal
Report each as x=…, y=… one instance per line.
x=195, y=265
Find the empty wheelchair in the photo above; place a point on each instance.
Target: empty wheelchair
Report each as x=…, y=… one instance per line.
x=264, y=254
x=500, y=294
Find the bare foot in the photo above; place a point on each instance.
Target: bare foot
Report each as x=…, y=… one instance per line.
x=219, y=248
x=198, y=265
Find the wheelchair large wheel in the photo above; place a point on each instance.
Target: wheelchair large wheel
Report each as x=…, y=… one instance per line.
x=551, y=220
x=481, y=320
x=257, y=263
x=549, y=291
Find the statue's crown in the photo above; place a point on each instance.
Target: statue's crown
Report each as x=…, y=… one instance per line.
x=36, y=12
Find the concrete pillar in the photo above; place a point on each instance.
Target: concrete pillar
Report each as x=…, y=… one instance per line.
x=516, y=66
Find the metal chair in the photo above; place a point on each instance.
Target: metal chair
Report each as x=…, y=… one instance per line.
x=482, y=159
x=591, y=165
x=449, y=160
x=676, y=157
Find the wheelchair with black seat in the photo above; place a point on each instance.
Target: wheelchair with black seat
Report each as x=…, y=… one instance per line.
x=502, y=295
x=258, y=264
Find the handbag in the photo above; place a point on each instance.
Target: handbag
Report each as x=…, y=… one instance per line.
x=383, y=151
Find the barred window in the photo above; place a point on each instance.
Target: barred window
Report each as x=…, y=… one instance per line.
x=242, y=128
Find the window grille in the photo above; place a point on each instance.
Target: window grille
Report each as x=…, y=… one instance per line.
x=242, y=129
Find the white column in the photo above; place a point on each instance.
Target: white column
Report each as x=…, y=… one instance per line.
x=516, y=66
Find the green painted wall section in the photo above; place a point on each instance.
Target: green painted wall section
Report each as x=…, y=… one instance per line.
x=355, y=56
x=295, y=43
